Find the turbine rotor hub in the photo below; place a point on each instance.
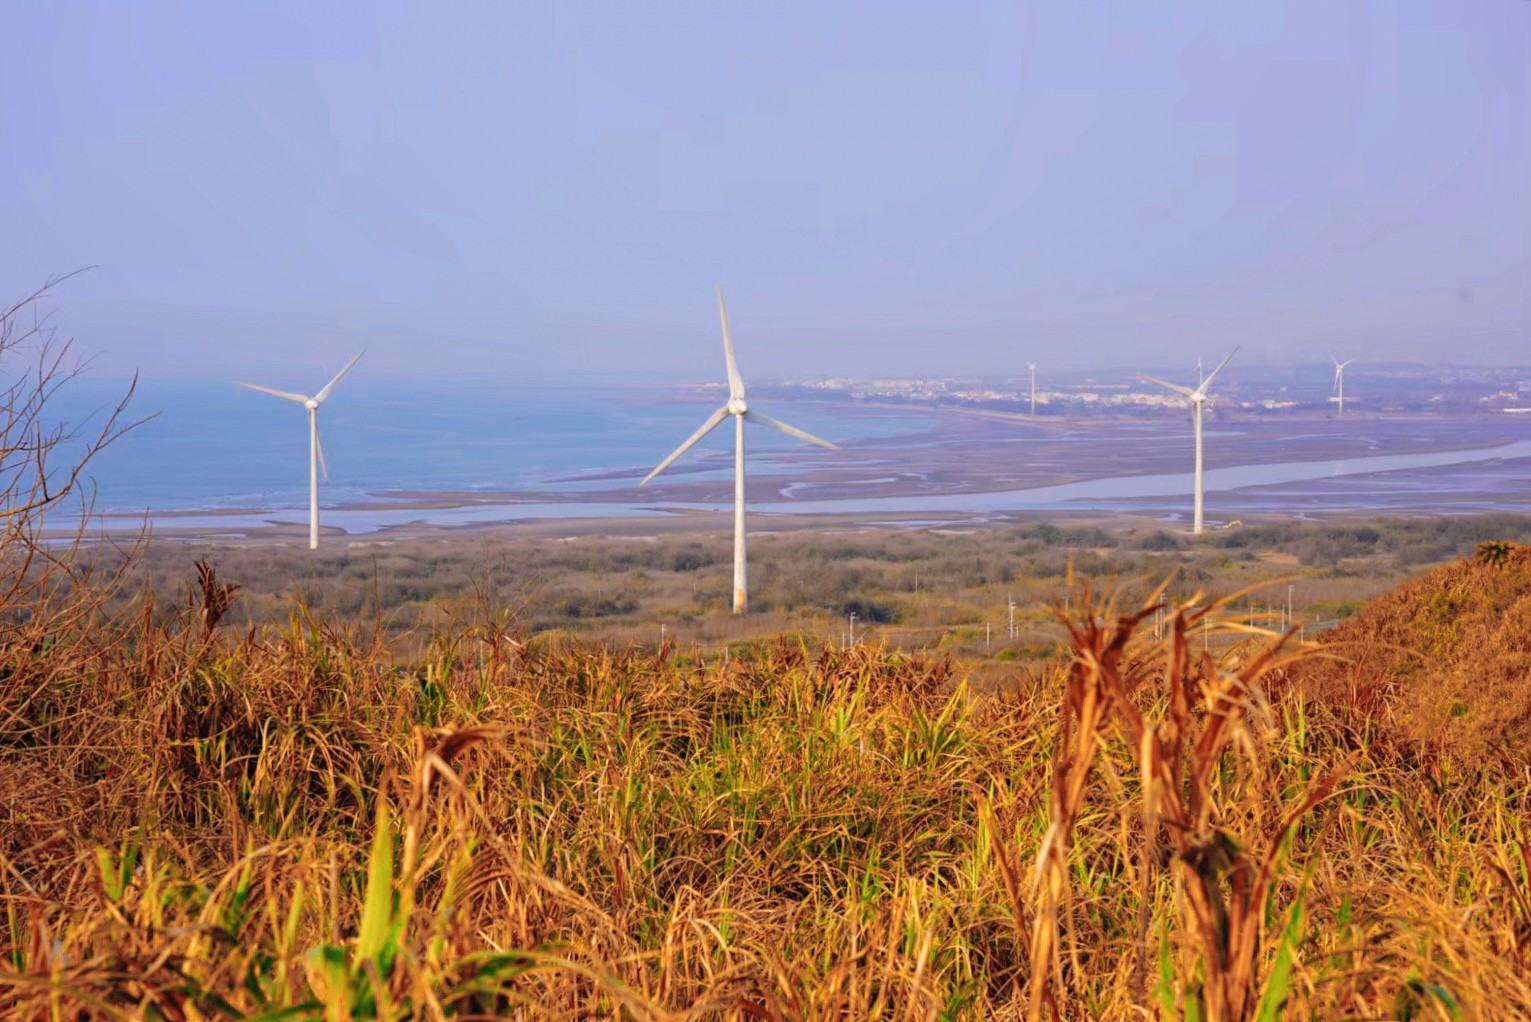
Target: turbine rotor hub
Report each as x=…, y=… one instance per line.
x=737, y=406
x=311, y=404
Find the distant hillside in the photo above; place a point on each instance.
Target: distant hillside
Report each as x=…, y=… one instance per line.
x=1446, y=657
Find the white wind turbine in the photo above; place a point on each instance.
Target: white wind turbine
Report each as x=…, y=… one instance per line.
x=741, y=412
x=1339, y=382
x=315, y=448
x=1031, y=370
x=1196, y=399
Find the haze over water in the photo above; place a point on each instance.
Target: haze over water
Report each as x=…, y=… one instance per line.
x=213, y=446
x=562, y=451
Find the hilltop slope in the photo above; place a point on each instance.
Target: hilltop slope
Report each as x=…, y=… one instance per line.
x=1446, y=657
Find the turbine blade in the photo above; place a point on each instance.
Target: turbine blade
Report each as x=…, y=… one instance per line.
x=735, y=382
x=706, y=427
x=319, y=446
x=1213, y=374
x=331, y=385
x=301, y=399
x=801, y=434
x=1177, y=388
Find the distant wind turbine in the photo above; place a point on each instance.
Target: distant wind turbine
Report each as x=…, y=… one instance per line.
x=1196, y=399
x=1031, y=369
x=315, y=448
x=1339, y=382
x=741, y=411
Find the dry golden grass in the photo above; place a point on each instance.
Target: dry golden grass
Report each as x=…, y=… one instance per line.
x=295, y=823
x=1444, y=660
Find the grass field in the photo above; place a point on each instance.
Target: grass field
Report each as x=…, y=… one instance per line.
x=297, y=821
x=913, y=589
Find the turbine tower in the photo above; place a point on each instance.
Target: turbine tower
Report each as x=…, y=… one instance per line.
x=315, y=448
x=1339, y=383
x=741, y=412
x=1196, y=399
x=1031, y=370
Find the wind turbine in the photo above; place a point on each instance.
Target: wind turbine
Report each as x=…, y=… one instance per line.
x=1339, y=382
x=1196, y=399
x=315, y=448
x=1031, y=369
x=741, y=412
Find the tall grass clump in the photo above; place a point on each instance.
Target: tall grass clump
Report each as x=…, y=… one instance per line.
x=1209, y=809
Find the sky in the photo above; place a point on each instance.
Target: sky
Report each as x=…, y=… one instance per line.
x=532, y=191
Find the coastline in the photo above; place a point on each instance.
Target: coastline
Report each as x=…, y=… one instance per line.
x=962, y=474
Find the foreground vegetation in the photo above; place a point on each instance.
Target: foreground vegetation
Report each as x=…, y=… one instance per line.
x=293, y=823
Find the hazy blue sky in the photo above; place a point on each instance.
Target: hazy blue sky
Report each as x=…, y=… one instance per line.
x=522, y=190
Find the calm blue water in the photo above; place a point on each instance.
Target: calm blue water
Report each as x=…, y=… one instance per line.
x=216, y=446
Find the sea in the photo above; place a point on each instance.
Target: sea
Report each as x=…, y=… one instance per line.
x=210, y=456
x=212, y=446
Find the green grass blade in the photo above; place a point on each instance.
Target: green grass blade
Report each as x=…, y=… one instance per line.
x=377, y=929
x=1279, y=986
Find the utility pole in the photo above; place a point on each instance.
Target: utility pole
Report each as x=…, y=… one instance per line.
x=853, y=628
x=1012, y=617
x=986, y=636
x=1289, y=590
x=661, y=633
